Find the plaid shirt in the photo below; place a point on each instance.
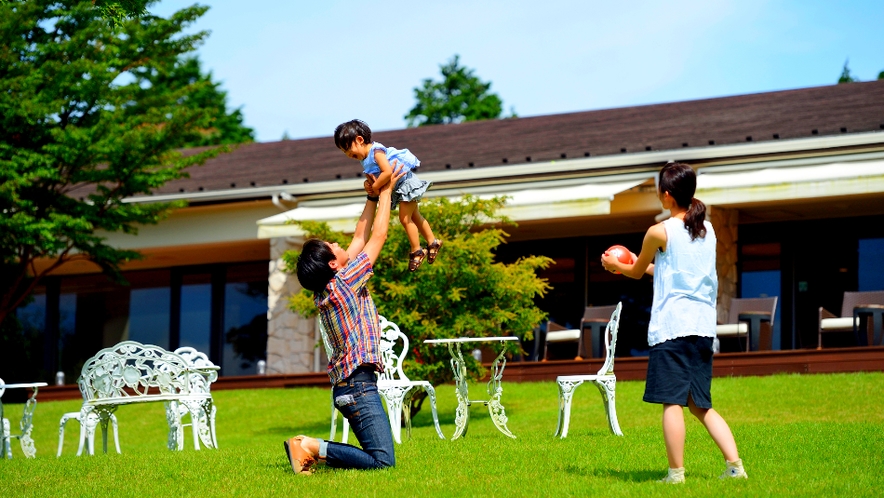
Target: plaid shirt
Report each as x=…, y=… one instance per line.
x=350, y=320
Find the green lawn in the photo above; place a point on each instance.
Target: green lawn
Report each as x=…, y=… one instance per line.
x=811, y=435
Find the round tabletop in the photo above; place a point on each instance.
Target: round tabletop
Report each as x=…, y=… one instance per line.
x=470, y=339
x=23, y=385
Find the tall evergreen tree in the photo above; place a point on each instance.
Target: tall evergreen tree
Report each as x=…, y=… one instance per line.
x=226, y=127
x=80, y=132
x=460, y=96
x=846, y=77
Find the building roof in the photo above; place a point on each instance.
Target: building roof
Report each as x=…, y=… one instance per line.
x=763, y=117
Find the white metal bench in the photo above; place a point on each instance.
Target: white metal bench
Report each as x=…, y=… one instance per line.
x=131, y=372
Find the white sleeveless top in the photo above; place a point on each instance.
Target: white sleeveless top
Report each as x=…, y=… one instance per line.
x=685, y=285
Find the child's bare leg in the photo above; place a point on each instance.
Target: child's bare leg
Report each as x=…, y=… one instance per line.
x=673, y=434
x=422, y=224
x=718, y=429
x=406, y=212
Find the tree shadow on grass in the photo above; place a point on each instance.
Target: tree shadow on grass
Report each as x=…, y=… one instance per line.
x=622, y=475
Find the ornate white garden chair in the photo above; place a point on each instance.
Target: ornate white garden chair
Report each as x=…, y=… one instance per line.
x=394, y=386
x=92, y=420
x=202, y=410
x=604, y=380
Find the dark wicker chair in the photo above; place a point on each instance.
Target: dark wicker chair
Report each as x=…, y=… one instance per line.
x=828, y=322
x=735, y=327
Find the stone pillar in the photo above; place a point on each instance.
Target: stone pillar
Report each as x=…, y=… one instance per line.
x=725, y=221
x=290, y=337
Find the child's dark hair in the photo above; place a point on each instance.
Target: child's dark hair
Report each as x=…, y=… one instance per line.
x=314, y=273
x=346, y=133
x=680, y=181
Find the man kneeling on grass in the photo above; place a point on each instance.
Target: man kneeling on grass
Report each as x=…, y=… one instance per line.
x=338, y=278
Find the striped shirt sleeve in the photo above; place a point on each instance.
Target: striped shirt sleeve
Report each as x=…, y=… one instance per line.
x=357, y=272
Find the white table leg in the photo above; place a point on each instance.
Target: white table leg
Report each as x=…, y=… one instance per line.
x=495, y=391
x=462, y=415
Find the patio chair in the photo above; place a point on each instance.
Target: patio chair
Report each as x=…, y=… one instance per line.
x=596, y=318
x=828, y=322
x=556, y=333
x=588, y=346
x=604, y=380
x=746, y=319
x=92, y=420
x=394, y=387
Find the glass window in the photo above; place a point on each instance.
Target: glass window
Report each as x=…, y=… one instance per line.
x=32, y=315
x=245, y=319
x=245, y=322
x=67, y=336
x=149, y=311
x=765, y=284
x=196, y=313
x=21, y=344
x=871, y=264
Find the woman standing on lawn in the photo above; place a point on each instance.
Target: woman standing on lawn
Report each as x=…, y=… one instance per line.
x=683, y=314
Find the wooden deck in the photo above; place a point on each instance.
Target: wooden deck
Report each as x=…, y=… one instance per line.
x=864, y=359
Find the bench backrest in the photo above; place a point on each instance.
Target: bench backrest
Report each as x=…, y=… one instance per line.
x=131, y=369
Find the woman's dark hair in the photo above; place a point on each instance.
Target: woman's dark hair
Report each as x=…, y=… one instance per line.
x=314, y=273
x=346, y=133
x=680, y=181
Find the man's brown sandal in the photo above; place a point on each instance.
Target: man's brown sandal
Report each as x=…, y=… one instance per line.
x=301, y=461
x=416, y=258
x=433, y=251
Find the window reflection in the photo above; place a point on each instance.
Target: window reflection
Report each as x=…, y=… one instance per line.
x=196, y=316
x=149, y=311
x=871, y=264
x=245, y=323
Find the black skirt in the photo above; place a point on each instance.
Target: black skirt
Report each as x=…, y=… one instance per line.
x=679, y=368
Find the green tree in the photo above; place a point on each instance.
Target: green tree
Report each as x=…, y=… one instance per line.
x=460, y=96
x=116, y=11
x=846, y=77
x=226, y=126
x=76, y=137
x=464, y=294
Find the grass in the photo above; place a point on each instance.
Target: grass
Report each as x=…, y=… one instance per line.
x=810, y=435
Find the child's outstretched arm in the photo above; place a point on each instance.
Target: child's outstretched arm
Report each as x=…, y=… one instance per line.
x=380, y=157
x=654, y=239
x=366, y=220
x=381, y=220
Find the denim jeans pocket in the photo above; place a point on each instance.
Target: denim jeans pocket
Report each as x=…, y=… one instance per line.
x=344, y=400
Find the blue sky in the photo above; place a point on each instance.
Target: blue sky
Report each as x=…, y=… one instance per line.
x=301, y=67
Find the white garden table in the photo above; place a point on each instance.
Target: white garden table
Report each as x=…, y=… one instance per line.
x=495, y=389
x=27, y=444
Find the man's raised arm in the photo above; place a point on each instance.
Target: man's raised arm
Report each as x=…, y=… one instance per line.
x=370, y=214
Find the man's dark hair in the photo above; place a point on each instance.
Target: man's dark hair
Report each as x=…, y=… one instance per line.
x=346, y=133
x=314, y=273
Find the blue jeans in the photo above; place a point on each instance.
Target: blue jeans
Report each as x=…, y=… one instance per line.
x=357, y=398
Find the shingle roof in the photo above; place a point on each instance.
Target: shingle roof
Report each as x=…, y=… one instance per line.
x=828, y=110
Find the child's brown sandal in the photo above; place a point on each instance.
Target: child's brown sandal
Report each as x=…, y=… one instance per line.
x=433, y=251
x=416, y=258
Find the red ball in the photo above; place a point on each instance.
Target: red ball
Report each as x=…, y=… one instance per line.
x=622, y=254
